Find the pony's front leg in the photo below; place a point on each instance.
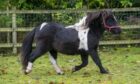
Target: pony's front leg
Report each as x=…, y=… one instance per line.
x=84, y=58
x=96, y=59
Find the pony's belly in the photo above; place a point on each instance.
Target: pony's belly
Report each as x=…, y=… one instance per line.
x=69, y=52
x=66, y=48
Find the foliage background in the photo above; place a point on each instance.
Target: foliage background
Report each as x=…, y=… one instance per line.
x=56, y=5
x=64, y=4
x=31, y=20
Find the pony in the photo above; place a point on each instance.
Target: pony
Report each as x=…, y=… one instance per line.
x=81, y=38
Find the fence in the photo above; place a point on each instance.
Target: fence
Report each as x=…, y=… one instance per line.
x=16, y=23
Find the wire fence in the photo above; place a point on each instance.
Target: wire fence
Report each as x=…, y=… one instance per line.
x=14, y=24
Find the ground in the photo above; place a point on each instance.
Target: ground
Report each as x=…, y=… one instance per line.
x=122, y=63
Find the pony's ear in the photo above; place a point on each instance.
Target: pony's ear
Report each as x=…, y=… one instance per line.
x=91, y=16
x=89, y=13
x=106, y=12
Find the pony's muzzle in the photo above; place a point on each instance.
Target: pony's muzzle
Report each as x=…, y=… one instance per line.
x=116, y=31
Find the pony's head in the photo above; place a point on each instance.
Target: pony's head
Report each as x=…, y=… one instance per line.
x=104, y=19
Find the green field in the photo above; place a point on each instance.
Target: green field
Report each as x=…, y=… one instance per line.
x=122, y=63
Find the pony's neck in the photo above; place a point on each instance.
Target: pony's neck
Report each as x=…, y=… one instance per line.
x=99, y=33
x=97, y=29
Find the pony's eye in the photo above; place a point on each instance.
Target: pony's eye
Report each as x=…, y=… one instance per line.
x=110, y=21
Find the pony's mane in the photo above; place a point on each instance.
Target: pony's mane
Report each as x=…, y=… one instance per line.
x=79, y=25
x=85, y=21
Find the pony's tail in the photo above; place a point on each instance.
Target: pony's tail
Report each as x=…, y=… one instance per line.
x=26, y=48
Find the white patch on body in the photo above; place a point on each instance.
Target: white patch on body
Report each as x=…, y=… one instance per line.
x=80, y=25
x=82, y=32
x=82, y=35
x=54, y=63
x=43, y=24
x=29, y=67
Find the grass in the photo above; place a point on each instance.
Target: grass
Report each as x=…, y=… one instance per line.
x=122, y=63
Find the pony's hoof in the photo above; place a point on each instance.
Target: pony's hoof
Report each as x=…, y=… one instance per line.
x=104, y=72
x=27, y=71
x=74, y=69
x=60, y=73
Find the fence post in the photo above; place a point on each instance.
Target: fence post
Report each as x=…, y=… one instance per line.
x=14, y=33
x=8, y=33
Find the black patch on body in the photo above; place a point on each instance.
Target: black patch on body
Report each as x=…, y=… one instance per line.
x=66, y=41
x=45, y=36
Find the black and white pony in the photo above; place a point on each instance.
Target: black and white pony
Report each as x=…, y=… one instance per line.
x=81, y=38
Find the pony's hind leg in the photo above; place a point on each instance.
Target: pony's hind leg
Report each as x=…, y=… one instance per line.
x=53, y=58
x=84, y=59
x=39, y=51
